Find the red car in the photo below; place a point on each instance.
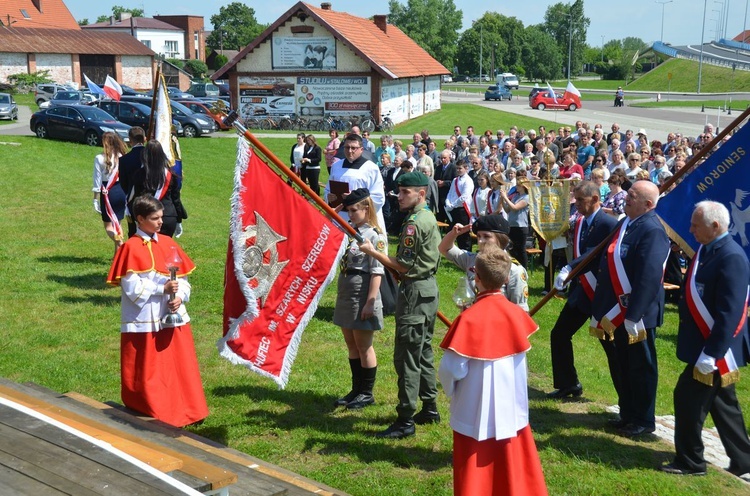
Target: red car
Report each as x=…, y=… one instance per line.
x=543, y=100
x=204, y=108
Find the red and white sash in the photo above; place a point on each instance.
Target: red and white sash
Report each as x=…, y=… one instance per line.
x=113, y=178
x=460, y=197
x=727, y=366
x=162, y=192
x=615, y=317
x=587, y=280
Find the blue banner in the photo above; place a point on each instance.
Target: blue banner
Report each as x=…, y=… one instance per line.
x=724, y=177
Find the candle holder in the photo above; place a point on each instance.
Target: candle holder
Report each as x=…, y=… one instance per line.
x=463, y=296
x=173, y=319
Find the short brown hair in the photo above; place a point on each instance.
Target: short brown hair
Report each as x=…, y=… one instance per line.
x=492, y=267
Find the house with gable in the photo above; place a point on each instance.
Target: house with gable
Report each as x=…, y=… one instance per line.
x=315, y=61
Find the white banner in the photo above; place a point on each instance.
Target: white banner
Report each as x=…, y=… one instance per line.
x=304, y=53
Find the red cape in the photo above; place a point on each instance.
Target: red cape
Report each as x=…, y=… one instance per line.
x=139, y=255
x=490, y=329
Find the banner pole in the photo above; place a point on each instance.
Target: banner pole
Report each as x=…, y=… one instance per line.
x=232, y=120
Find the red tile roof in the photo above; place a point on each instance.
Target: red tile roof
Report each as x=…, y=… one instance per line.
x=54, y=14
x=392, y=54
x=138, y=23
x=22, y=40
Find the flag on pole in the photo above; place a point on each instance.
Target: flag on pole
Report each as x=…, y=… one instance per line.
x=635, y=58
x=551, y=92
x=162, y=119
x=112, y=88
x=573, y=93
x=723, y=178
x=278, y=266
x=93, y=87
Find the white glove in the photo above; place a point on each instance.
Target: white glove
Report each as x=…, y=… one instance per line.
x=561, y=276
x=631, y=327
x=178, y=230
x=97, y=207
x=705, y=364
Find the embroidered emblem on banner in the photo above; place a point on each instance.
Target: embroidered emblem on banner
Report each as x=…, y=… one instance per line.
x=260, y=261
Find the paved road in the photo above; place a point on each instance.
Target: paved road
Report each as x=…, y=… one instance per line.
x=656, y=122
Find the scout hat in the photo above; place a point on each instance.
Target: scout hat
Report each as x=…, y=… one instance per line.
x=492, y=223
x=413, y=179
x=355, y=196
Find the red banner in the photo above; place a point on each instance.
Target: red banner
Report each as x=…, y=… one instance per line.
x=282, y=254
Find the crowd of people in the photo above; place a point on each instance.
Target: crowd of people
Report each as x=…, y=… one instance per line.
x=473, y=187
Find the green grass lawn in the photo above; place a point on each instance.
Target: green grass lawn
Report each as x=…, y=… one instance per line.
x=60, y=325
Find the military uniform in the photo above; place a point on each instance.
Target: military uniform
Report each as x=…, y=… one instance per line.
x=416, y=309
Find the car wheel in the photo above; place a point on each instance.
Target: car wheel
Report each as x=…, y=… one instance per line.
x=486, y=99
x=189, y=131
x=572, y=107
x=41, y=131
x=92, y=139
x=39, y=102
x=541, y=106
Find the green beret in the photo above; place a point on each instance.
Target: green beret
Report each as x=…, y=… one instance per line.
x=413, y=179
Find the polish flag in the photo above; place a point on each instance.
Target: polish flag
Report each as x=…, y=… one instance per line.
x=112, y=88
x=551, y=92
x=93, y=87
x=573, y=93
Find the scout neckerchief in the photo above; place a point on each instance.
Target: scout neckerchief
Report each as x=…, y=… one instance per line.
x=727, y=366
x=587, y=280
x=605, y=329
x=113, y=178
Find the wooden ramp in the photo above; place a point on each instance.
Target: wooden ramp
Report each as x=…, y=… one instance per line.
x=37, y=458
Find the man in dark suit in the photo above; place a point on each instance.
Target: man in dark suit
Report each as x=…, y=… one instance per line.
x=445, y=172
x=713, y=341
x=628, y=306
x=129, y=165
x=590, y=229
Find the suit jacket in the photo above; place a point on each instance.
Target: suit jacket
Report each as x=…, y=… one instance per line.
x=721, y=280
x=314, y=153
x=446, y=174
x=601, y=225
x=644, y=250
x=129, y=165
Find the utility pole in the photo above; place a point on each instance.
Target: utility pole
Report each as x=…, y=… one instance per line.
x=570, y=40
x=661, y=38
x=703, y=32
x=481, y=47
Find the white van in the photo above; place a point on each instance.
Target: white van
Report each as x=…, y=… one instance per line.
x=507, y=79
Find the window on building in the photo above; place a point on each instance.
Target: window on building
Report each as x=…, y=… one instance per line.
x=25, y=14
x=147, y=43
x=170, y=49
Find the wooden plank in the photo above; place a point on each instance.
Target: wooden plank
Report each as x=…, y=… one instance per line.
x=216, y=449
x=49, y=451
x=18, y=484
x=215, y=476
x=157, y=459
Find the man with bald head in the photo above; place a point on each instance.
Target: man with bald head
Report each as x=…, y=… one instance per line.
x=628, y=306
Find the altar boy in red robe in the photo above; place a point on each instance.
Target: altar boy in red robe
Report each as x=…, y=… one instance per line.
x=483, y=371
x=158, y=367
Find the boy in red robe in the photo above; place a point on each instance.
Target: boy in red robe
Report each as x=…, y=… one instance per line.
x=483, y=371
x=158, y=367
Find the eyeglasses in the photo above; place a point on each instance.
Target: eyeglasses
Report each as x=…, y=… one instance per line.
x=352, y=147
x=633, y=160
x=493, y=148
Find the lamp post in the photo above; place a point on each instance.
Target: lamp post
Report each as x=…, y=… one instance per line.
x=570, y=41
x=661, y=38
x=602, y=48
x=720, y=20
x=703, y=32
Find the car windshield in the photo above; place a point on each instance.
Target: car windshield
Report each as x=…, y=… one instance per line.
x=4, y=98
x=67, y=95
x=180, y=108
x=95, y=114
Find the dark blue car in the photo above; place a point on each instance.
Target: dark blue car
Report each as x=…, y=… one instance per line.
x=497, y=92
x=76, y=123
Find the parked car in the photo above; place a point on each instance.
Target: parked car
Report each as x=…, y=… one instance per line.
x=534, y=91
x=206, y=108
x=223, y=89
x=542, y=100
x=127, y=90
x=68, y=97
x=203, y=90
x=175, y=93
x=447, y=78
x=193, y=124
x=76, y=123
x=8, y=107
x=497, y=92
x=44, y=92
x=133, y=114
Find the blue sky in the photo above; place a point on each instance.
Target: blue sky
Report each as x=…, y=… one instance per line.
x=643, y=18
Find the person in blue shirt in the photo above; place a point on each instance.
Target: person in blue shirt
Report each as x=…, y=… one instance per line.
x=585, y=158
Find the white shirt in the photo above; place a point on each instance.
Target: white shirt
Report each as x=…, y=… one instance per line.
x=456, y=199
x=368, y=176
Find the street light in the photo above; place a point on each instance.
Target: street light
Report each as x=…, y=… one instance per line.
x=720, y=21
x=570, y=40
x=703, y=32
x=602, y=48
x=661, y=38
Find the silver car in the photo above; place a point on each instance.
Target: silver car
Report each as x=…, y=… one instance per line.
x=8, y=107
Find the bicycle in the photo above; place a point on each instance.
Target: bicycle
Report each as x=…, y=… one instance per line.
x=385, y=124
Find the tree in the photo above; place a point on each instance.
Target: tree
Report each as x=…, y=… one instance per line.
x=117, y=10
x=83, y=22
x=558, y=21
x=197, y=68
x=541, y=55
x=235, y=27
x=432, y=24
